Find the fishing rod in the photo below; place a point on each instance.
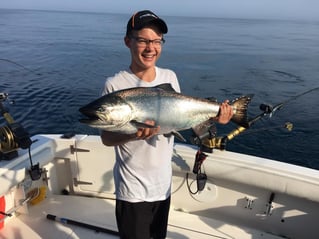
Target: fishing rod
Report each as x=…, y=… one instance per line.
x=210, y=141
x=19, y=65
x=271, y=110
x=81, y=224
x=205, y=137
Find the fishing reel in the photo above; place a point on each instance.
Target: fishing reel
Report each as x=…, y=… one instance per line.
x=12, y=134
x=205, y=137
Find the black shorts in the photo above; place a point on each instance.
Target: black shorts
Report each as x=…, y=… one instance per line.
x=142, y=220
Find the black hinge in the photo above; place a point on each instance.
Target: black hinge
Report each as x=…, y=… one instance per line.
x=76, y=182
x=73, y=149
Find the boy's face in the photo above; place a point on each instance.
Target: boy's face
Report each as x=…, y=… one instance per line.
x=145, y=46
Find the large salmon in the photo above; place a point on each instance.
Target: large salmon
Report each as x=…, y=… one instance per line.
x=127, y=110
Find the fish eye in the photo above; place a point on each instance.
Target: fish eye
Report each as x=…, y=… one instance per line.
x=100, y=109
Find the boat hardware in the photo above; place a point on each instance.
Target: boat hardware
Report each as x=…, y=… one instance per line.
x=22, y=202
x=68, y=135
x=13, y=136
x=45, y=176
x=269, y=205
x=199, y=159
x=74, y=149
x=76, y=182
x=249, y=203
x=201, y=178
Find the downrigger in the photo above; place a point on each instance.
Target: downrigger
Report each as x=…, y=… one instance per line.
x=14, y=136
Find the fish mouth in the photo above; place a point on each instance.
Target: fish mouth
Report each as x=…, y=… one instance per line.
x=95, y=122
x=90, y=121
x=92, y=117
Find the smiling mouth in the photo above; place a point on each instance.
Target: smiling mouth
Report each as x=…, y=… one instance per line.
x=148, y=55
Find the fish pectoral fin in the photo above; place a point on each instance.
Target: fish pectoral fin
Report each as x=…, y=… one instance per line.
x=142, y=125
x=240, y=105
x=177, y=135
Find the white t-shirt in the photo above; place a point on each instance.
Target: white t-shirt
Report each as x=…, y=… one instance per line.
x=143, y=171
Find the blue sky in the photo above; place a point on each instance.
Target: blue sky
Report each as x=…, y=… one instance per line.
x=278, y=9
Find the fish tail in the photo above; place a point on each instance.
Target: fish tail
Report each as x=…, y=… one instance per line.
x=240, y=106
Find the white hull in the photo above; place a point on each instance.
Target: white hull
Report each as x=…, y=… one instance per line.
x=234, y=203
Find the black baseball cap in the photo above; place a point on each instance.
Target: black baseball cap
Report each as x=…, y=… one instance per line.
x=142, y=18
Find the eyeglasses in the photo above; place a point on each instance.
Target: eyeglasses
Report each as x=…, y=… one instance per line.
x=142, y=42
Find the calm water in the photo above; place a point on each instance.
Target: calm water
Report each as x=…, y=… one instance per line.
x=56, y=62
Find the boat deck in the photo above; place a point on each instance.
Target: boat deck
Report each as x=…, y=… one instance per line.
x=100, y=212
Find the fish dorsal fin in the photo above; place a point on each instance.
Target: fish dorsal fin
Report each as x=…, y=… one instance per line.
x=166, y=87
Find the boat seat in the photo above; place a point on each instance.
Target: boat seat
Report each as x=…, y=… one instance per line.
x=100, y=212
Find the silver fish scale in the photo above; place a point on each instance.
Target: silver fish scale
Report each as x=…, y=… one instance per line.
x=126, y=110
x=171, y=110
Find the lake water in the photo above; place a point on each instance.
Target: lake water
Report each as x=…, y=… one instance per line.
x=52, y=63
